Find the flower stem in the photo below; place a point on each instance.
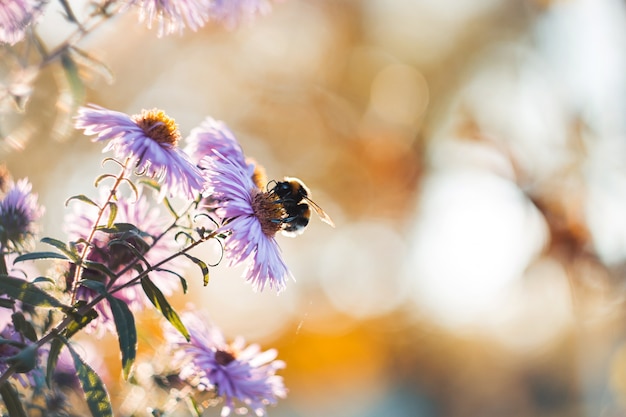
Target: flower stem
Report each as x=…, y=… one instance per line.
x=83, y=256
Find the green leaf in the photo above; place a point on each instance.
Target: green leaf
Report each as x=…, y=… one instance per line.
x=27, y=292
x=167, y=203
x=53, y=358
x=112, y=213
x=102, y=177
x=95, y=392
x=149, y=182
x=83, y=198
x=80, y=320
x=39, y=255
x=126, y=333
x=43, y=279
x=12, y=400
x=5, y=303
x=77, y=87
x=62, y=247
x=183, y=281
x=157, y=298
x=124, y=323
x=93, y=63
x=203, y=267
x=122, y=228
x=97, y=266
x=132, y=186
x=136, y=252
x=24, y=327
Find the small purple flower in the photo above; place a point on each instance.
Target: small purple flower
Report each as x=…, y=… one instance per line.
x=15, y=17
x=150, y=141
x=252, y=218
x=235, y=371
x=173, y=16
x=233, y=12
x=118, y=257
x=19, y=212
x=214, y=140
x=213, y=135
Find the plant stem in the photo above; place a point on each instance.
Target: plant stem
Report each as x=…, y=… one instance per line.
x=87, y=247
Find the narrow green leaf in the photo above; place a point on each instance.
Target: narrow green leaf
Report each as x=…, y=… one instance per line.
x=80, y=320
x=151, y=183
x=124, y=323
x=43, y=279
x=53, y=358
x=122, y=228
x=195, y=407
x=136, y=252
x=94, y=63
x=24, y=327
x=12, y=400
x=203, y=267
x=39, y=255
x=102, y=177
x=132, y=186
x=167, y=203
x=83, y=198
x=97, y=266
x=27, y=292
x=61, y=246
x=77, y=87
x=3, y=265
x=95, y=392
x=126, y=333
x=183, y=281
x=157, y=298
x=112, y=214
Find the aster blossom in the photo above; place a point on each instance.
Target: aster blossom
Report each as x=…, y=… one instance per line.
x=252, y=218
x=235, y=371
x=15, y=17
x=173, y=16
x=214, y=136
x=118, y=257
x=19, y=213
x=233, y=12
x=149, y=141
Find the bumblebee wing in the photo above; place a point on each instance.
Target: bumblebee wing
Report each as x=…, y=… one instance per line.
x=321, y=213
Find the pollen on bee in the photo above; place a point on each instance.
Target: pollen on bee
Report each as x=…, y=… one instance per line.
x=158, y=126
x=268, y=212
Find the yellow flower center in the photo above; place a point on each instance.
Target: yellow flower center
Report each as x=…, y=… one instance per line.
x=158, y=126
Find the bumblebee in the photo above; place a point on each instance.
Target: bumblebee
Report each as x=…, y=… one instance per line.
x=295, y=199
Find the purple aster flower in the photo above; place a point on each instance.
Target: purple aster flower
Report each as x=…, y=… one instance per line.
x=15, y=17
x=19, y=212
x=118, y=257
x=252, y=218
x=235, y=371
x=213, y=135
x=233, y=12
x=173, y=16
x=213, y=139
x=150, y=141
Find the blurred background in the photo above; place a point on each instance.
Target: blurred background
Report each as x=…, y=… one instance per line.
x=471, y=154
